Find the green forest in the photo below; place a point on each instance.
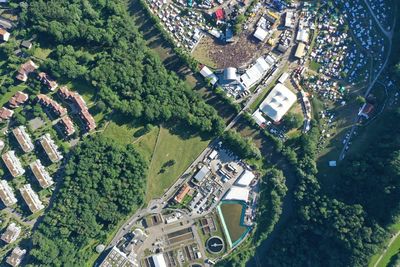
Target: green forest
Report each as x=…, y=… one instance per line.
x=102, y=184
x=96, y=41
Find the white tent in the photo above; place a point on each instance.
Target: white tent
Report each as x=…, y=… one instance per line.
x=208, y=74
x=278, y=102
x=255, y=73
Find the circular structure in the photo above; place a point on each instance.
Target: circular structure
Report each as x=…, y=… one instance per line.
x=100, y=248
x=215, y=244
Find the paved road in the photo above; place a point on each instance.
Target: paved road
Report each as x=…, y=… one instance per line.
x=388, y=34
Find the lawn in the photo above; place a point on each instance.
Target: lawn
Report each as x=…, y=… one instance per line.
x=4, y=98
x=121, y=133
x=314, y=66
x=232, y=213
x=171, y=146
x=390, y=252
x=42, y=53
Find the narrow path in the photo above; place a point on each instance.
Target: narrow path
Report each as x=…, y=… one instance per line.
x=387, y=247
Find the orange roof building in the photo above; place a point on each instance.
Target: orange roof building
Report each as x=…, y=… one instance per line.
x=5, y=113
x=53, y=105
x=18, y=99
x=68, y=126
x=48, y=81
x=185, y=189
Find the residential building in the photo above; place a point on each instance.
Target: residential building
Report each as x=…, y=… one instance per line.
x=13, y=164
x=278, y=102
x=18, y=99
x=25, y=69
x=31, y=198
x=26, y=44
x=116, y=258
x=51, y=104
x=16, y=257
x=7, y=194
x=48, y=81
x=5, y=114
x=41, y=174
x=81, y=107
x=4, y=35
x=23, y=139
x=185, y=189
x=50, y=148
x=11, y=234
x=67, y=125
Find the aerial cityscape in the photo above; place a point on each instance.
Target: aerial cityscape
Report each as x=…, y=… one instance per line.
x=194, y=133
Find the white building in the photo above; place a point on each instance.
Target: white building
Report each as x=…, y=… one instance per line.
x=159, y=260
x=23, y=139
x=237, y=193
x=260, y=34
x=303, y=35
x=13, y=164
x=208, y=74
x=245, y=178
x=278, y=102
x=11, y=234
x=255, y=73
x=7, y=194
x=41, y=174
x=31, y=198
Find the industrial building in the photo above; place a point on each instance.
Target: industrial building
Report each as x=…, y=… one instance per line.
x=245, y=178
x=31, y=198
x=23, y=139
x=237, y=193
x=41, y=174
x=7, y=194
x=201, y=174
x=278, y=102
x=117, y=258
x=13, y=164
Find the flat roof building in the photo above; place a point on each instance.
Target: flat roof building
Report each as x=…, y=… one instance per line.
x=23, y=139
x=41, y=174
x=245, y=178
x=11, y=234
x=13, y=164
x=237, y=193
x=300, y=51
x=50, y=148
x=278, y=102
x=31, y=198
x=159, y=260
x=260, y=34
x=202, y=173
x=116, y=258
x=7, y=194
x=16, y=257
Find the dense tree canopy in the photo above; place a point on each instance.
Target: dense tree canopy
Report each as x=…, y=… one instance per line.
x=102, y=184
x=97, y=41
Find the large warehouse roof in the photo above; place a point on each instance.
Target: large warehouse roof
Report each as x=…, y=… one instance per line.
x=260, y=34
x=237, y=193
x=255, y=73
x=278, y=102
x=159, y=260
x=245, y=178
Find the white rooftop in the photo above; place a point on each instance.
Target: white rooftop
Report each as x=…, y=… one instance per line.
x=159, y=260
x=208, y=74
x=245, y=178
x=278, y=102
x=237, y=193
x=255, y=73
x=260, y=34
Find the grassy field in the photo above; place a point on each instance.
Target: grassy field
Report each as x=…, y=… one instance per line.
x=390, y=252
x=170, y=146
x=314, y=66
x=232, y=213
x=4, y=98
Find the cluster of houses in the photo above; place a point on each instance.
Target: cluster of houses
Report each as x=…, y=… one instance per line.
x=184, y=29
x=15, y=101
x=10, y=235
